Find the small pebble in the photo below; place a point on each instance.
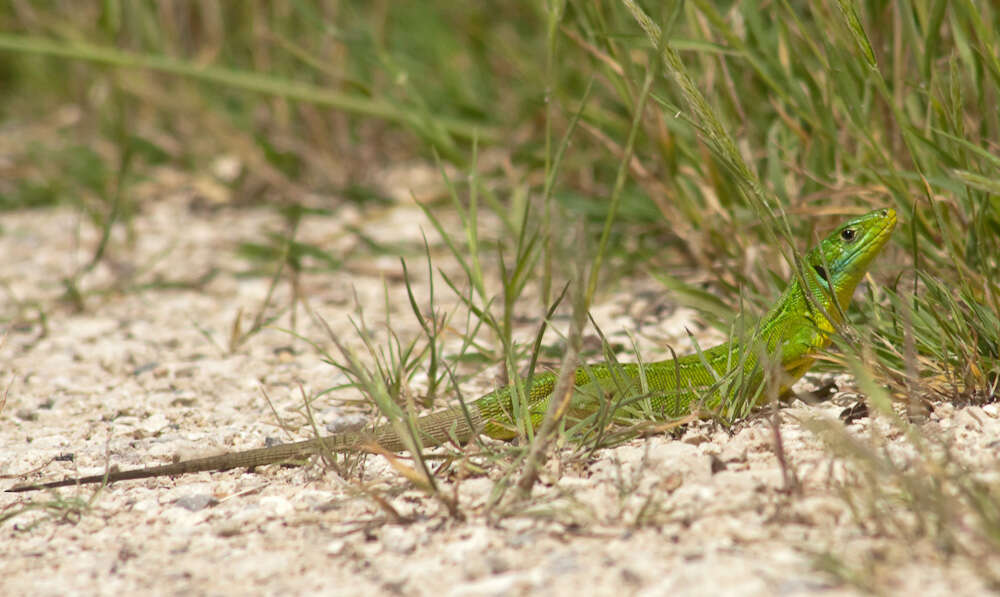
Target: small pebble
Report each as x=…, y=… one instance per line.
x=196, y=502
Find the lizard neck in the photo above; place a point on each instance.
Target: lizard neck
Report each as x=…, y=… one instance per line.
x=802, y=321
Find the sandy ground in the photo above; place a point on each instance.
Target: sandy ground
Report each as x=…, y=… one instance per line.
x=143, y=376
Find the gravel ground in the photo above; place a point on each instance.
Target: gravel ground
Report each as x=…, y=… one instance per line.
x=143, y=376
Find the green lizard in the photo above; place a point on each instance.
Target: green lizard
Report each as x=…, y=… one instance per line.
x=799, y=324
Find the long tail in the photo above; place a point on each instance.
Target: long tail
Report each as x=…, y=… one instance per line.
x=433, y=429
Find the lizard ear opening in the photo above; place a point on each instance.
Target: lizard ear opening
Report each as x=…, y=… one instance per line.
x=821, y=272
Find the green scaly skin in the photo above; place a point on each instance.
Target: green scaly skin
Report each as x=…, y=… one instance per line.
x=729, y=379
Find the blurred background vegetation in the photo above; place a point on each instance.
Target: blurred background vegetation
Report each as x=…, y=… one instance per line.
x=808, y=110
x=768, y=113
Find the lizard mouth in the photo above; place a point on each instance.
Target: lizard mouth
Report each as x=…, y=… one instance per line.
x=881, y=236
x=887, y=227
x=890, y=218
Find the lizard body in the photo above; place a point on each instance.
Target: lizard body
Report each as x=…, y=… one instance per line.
x=800, y=323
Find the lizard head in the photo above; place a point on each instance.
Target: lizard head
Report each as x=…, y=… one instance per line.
x=842, y=258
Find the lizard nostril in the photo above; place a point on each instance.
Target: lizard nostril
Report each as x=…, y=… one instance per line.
x=885, y=213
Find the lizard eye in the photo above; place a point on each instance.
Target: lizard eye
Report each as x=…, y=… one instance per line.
x=848, y=234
